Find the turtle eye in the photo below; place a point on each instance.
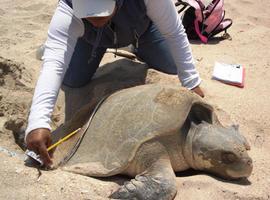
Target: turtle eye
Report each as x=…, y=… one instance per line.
x=228, y=158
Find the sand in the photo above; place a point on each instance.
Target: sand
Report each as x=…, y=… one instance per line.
x=23, y=27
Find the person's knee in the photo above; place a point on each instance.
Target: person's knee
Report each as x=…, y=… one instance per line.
x=76, y=82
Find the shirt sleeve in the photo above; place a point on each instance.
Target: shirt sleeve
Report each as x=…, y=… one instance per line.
x=164, y=15
x=63, y=33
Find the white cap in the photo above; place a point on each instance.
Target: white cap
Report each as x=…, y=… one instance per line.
x=93, y=8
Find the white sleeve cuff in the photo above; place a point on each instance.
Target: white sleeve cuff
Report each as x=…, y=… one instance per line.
x=192, y=83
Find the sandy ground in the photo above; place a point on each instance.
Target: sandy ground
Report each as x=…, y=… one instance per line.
x=23, y=27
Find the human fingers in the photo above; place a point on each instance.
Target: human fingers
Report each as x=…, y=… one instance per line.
x=38, y=140
x=198, y=91
x=44, y=155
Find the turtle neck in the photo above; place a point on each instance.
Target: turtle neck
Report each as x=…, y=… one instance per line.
x=188, y=146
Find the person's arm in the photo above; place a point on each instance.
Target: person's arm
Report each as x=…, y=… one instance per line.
x=63, y=33
x=165, y=17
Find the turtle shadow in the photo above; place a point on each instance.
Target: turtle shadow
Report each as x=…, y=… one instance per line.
x=240, y=181
x=118, y=179
x=212, y=41
x=121, y=179
x=192, y=172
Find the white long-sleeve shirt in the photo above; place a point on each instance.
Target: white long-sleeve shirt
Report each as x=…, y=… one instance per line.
x=65, y=29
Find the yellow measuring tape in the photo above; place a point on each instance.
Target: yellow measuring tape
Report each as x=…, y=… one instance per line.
x=63, y=139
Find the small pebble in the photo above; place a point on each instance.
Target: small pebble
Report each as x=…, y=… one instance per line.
x=84, y=191
x=18, y=170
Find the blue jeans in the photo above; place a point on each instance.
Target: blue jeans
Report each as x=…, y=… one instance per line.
x=152, y=49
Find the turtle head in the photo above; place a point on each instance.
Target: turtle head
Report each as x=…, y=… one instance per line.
x=221, y=151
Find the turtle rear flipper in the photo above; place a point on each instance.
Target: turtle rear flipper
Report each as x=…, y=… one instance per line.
x=156, y=182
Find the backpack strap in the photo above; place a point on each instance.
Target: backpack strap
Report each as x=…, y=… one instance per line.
x=203, y=38
x=223, y=26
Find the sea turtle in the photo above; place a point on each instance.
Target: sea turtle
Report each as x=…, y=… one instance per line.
x=149, y=132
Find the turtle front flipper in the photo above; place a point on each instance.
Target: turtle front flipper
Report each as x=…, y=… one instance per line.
x=155, y=179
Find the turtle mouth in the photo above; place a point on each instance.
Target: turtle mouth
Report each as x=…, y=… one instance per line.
x=242, y=169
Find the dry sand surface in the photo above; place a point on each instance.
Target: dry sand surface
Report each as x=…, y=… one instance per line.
x=23, y=27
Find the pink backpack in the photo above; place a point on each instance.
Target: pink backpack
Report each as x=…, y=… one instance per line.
x=204, y=21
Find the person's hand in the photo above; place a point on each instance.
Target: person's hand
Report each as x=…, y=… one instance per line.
x=198, y=91
x=38, y=140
